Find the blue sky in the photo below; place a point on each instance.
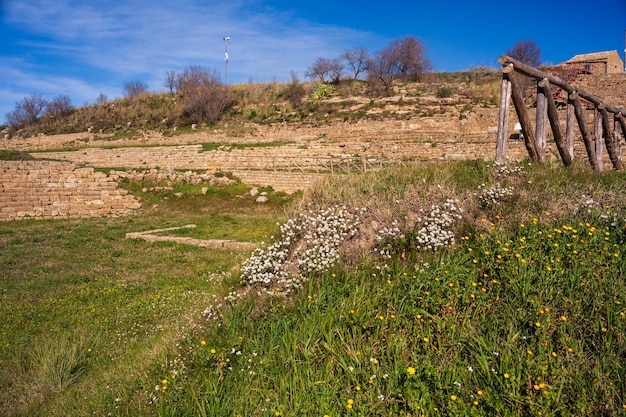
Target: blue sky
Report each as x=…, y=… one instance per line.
x=84, y=48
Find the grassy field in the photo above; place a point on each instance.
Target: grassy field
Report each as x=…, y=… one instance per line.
x=442, y=289
x=85, y=312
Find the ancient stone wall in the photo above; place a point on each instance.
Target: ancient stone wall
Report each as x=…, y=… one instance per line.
x=47, y=190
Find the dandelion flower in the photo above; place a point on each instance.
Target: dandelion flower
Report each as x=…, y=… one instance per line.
x=453, y=397
x=507, y=376
x=410, y=370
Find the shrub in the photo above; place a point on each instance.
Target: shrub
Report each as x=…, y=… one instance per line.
x=322, y=91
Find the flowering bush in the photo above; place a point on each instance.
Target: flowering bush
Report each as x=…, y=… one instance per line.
x=504, y=169
x=308, y=243
x=494, y=195
x=434, y=232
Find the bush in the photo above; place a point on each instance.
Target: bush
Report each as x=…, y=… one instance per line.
x=322, y=91
x=204, y=97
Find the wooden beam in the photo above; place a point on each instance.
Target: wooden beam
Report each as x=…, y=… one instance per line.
x=618, y=134
x=539, y=75
x=582, y=126
x=598, y=138
x=569, y=128
x=522, y=116
x=553, y=117
x=503, y=118
x=541, y=122
x=622, y=122
x=609, y=140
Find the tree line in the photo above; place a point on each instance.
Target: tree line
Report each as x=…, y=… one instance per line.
x=201, y=97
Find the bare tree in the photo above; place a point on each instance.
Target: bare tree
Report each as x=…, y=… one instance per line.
x=204, y=97
x=382, y=69
x=135, y=88
x=323, y=67
x=357, y=60
x=59, y=107
x=409, y=57
x=526, y=52
x=102, y=98
x=170, y=80
x=403, y=58
x=27, y=111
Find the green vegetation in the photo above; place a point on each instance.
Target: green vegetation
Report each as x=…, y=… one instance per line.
x=468, y=289
x=85, y=311
x=306, y=103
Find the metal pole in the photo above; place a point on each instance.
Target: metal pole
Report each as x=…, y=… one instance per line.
x=226, y=39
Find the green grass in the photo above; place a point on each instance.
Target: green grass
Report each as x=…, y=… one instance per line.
x=84, y=311
x=524, y=315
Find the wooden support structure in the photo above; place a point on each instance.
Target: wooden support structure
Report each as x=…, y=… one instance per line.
x=609, y=139
x=584, y=132
x=541, y=123
x=569, y=127
x=522, y=115
x=605, y=135
x=553, y=117
x=598, y=138
x=503, y=117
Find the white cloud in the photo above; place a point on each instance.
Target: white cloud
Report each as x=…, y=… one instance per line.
x=83, y=48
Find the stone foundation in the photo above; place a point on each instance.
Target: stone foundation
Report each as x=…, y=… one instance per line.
x=48, y=190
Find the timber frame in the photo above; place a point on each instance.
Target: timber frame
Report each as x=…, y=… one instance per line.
x=609, y=125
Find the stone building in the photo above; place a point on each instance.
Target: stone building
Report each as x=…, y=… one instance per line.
x=608, y=62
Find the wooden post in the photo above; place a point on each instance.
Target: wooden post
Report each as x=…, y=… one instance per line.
x=598, y=137
x=542, y=112
x=569, y=127
x=618, y=134
x=522, y=116
x=503, y=115
x=609, y=140
x=553, y=117
x=622, y=123
x=580, y=118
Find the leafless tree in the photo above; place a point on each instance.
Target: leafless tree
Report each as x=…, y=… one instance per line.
x=59, y=107
x=409, y=57
x=170, y=80
x=323, y=67
x=526, y=52
x=204, y=97
x=356, y=60
x=135, y=88
x=402, y=59
x=27, y=111
x=382, y=69
x=102, y=98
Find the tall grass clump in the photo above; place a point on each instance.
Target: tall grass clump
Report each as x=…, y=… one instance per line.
x=58, y=362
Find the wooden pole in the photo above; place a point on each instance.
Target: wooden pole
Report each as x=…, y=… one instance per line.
x=609, y=140
x=618, y=134
x=622, y=123
x=553, y=117
x=541, y=122
x=522, y=116
x=569, y=127
x=503, y=116
x=598, y=138
x=580, y=118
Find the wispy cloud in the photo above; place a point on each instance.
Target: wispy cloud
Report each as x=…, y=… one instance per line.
x=83, y=48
